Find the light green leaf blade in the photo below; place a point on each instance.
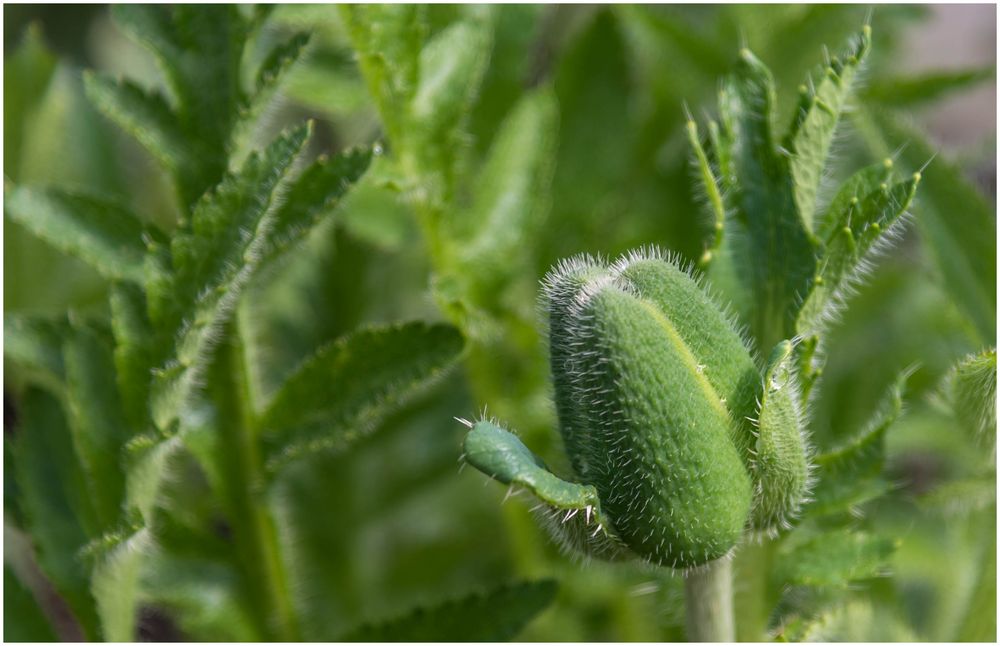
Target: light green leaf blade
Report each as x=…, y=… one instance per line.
x=212, y=260
x=145, y=115
x=268, y=79
x=312, y=196
x=835, y=558
x=812, y=132
x=388, y=39
x=343, y=390
x=857, y=186
x=497, y=615
x=115, y=585
x=102, y=233
x=869, y=224
x=96, y=419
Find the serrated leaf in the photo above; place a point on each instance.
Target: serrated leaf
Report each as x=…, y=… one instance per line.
x=341, y=391
x=858, y=185
x=144, y=115
x=956, y=221
x=199, y=51
x=96, y=419
x=212, y=260
x=867, y=225
x=115, y=585
x=768, y=242
x=932, y=86
x=102, y=233
x=497, y=615
x=835, y=558
x=573, y=511
x=312, y=195
x=815, y=122
x=54, y=499
x=267, y=81
x=849, y=475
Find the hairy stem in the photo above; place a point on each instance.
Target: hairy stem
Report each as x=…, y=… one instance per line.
x=708, y=593
x=254, y=529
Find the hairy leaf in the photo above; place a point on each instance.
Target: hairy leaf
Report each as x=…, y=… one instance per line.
x=100, y=232
x=54, y=500
x=816, y=120
x=970, y=389
x=133, y=351
x=497, y=615
x=115, y=585
x=341, y=391
x=96, y=419
x=213, y=258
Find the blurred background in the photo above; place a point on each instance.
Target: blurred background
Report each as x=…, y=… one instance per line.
x=409, y=527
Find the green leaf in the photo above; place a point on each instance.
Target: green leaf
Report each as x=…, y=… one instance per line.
x=342, y=391
x=835, y=558
x=816, y=120
x=134, y=351
x=144, y=115
x=199, y=51
x=27, y=72
x=96, y=419
x=850, y=474
x=54, y=499
x=101, y=233
x=497, y=615
x=902, y=92
x=270, y=75
x=979, y=623
x=115, y=585
x=25, y=620
x=766, y=237
x=513, y=188
x=956, y=222
x=863, y=182
x=35, y=344
x=213, y=258
x=313, y=195
x=388, y=39
x=868, y=224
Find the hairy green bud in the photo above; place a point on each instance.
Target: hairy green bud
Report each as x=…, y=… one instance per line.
x=678, y=443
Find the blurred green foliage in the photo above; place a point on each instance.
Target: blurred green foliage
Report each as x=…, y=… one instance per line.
x=512, y=136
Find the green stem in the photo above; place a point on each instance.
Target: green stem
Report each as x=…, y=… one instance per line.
x=254, y=529
x=709, y=597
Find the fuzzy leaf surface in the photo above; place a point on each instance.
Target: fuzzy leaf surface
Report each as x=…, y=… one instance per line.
x=213, y=260
x=835, y=558
x=103, y=234
x=497, y=615
x=341, y=391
